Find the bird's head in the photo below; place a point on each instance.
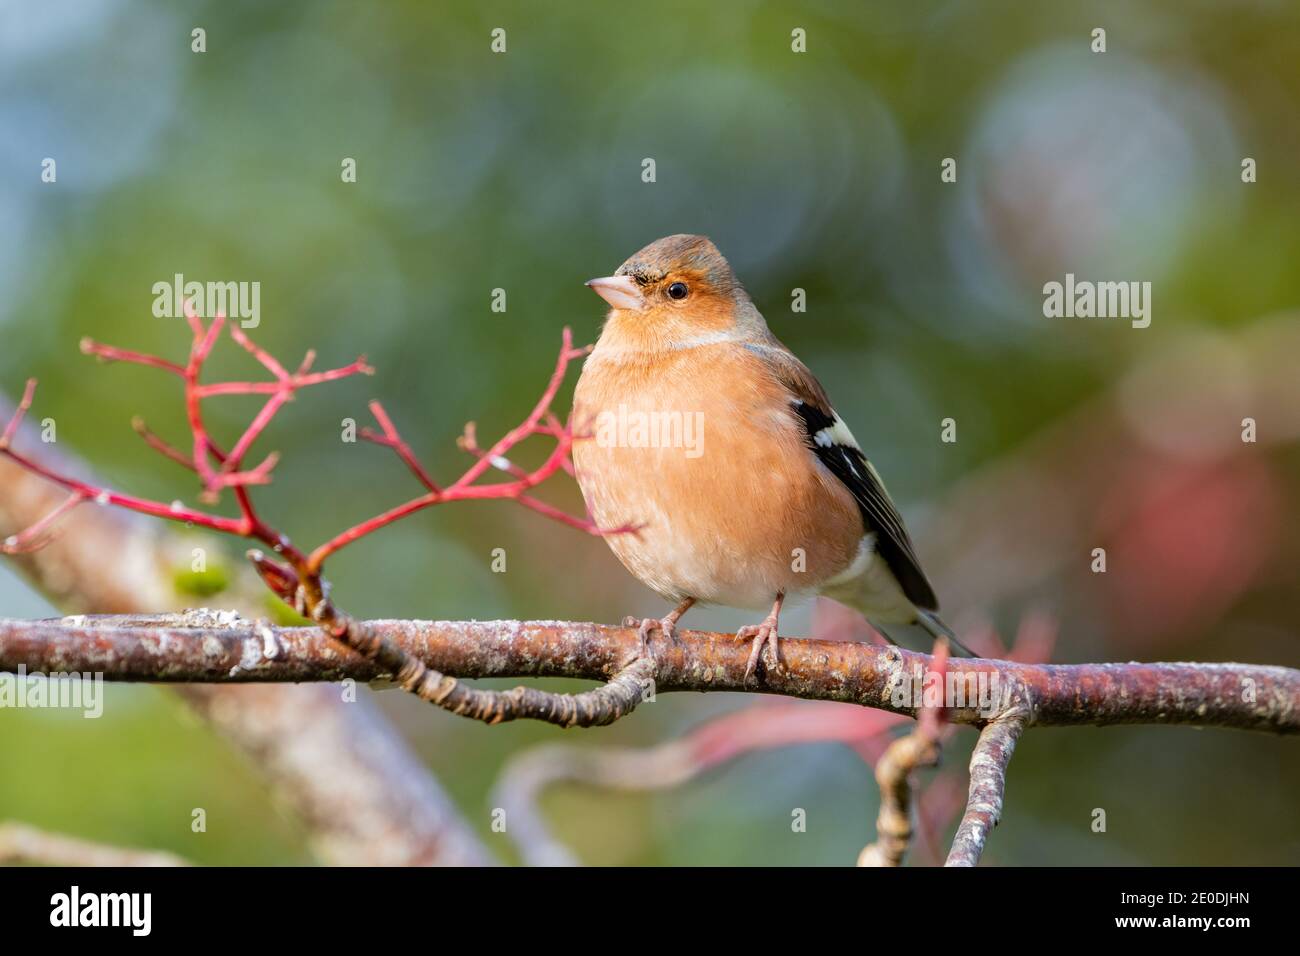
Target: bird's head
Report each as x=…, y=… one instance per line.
x=679, y=285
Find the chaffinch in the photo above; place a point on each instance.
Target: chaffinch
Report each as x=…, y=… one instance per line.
x=712, y=439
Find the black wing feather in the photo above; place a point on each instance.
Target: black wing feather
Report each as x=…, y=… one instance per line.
x=893, y=543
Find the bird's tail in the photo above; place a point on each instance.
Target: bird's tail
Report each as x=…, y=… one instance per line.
x=926, y=623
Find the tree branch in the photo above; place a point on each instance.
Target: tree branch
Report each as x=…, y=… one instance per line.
x=197, y=647
x=988, y=782
x=894, y=771
x=893, y=775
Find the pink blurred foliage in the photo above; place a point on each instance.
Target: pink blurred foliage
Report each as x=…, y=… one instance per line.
x=1189, y=539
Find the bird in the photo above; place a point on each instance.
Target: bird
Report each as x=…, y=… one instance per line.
x=716, y=445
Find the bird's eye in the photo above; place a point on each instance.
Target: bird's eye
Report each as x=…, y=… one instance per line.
x=677, y=290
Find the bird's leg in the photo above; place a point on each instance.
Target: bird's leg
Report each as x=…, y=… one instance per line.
x=667, y=624
x=764, y=635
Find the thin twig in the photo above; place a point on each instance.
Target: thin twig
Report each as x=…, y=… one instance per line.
x=988, y=782
x=20, y=411
x=392, y=439
x=39, y=533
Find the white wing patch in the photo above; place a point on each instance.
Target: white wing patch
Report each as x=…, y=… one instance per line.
x=858, y=566
x=836, y=433
x=837, y=449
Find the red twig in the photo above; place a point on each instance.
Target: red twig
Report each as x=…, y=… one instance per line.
x=159, y=445
x=468, y=441
x=297, y=577
x=110, y=354
x=561, y=432
x=391, y=439
x=11, y=429
x=37, y=535
x=218, y=470
x=540, y=421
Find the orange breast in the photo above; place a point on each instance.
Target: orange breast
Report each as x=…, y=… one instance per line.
x=733, y=505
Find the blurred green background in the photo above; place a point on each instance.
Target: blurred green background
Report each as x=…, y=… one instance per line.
x=816, y=170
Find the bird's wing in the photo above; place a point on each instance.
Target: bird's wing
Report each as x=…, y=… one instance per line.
x=834, y=445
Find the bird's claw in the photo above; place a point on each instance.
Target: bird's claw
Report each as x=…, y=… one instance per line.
x=645, y=625
x=764, y=636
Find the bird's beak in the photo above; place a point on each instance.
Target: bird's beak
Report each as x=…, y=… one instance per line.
x=619, y=291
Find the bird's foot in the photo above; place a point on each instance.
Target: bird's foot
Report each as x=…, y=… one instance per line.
x=764, y=636
x=666, y=625
x=645, y=626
